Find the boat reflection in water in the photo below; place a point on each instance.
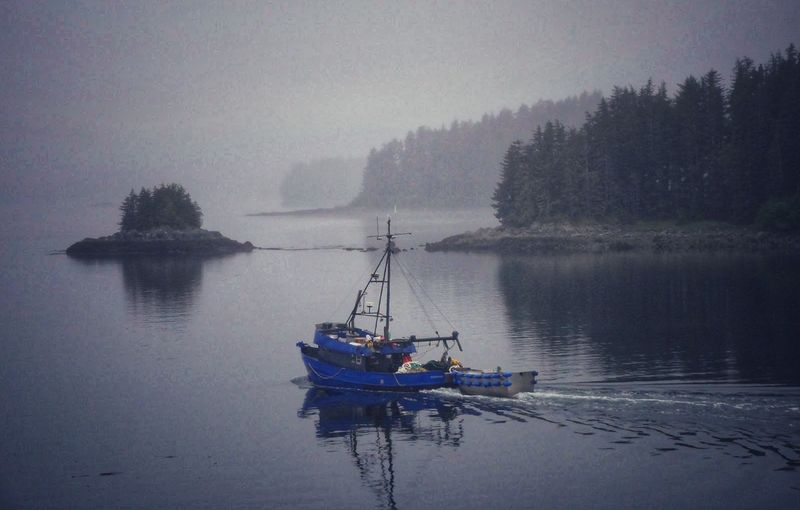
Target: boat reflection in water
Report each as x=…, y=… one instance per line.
x=368, y=425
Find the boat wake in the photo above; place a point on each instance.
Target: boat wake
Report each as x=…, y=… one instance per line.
x=748, y=426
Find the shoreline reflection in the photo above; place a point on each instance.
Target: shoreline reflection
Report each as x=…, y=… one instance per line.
x=695, y=317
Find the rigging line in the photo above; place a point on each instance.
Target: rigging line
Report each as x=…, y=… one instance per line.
x=428, y=296
x=357, y=284
x=345, y=298
x=405, y=274
x=426, y=351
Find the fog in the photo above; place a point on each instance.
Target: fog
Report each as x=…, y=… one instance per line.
x=101, y=97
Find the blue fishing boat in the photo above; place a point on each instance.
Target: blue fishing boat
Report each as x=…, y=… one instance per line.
x=344, y=355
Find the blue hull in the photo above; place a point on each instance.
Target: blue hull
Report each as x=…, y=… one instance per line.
x=321, y=373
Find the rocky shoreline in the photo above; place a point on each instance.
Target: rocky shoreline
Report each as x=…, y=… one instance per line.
x=565, y=239
x=159, y=241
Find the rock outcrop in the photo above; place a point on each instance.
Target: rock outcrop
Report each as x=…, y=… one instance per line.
x=159, y=241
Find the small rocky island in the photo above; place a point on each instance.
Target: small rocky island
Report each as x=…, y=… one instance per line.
x=161, y=221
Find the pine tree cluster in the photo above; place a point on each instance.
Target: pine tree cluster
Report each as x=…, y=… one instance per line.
x=164, y=206
x=705, y=154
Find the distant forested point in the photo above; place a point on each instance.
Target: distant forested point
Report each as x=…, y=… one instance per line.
x=319, y=183
x=457, y=166
x=710, y=152
x=167, y=205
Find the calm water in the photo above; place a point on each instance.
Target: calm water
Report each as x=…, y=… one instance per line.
x=665, y=381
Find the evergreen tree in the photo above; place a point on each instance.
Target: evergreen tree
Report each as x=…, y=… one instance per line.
x=749, y=139
x=714, y=132
x=129, y=211
x=507, y=199
x=145, y=217
x=782, y=95
x=689, y=116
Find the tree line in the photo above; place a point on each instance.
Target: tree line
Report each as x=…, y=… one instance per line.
x=457, y=166
x=164, y=206
x=707, y=153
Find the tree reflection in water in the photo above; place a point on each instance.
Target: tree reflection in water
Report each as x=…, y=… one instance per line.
x=685, y=317
x=163, y=288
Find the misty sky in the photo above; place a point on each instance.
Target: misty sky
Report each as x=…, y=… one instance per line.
x=99, y=97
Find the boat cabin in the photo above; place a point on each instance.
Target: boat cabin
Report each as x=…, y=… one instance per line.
x=359, y=349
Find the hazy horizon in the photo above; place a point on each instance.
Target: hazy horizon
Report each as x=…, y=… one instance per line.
x=100, y=98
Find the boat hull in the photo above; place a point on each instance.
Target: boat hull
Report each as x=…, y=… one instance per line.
x=324, y=374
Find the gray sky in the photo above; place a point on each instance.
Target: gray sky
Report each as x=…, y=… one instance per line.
x=99, y=97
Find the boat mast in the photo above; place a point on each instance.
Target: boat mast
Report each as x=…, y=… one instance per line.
x=385, y=281
x=390, y=247
x=388, y=276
